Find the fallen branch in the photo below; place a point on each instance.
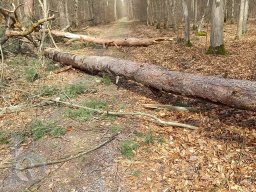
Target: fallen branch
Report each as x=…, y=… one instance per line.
x=168, y=107
x=111, y=42
x=149, y=116
x=62, y=160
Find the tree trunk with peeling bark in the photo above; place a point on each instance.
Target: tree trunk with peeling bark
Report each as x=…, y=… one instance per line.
x=110, y=41
x=235, y=93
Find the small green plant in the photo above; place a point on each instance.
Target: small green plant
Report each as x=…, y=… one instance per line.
x=48, y=90
x=4, y=138
x=149, y=138
x=106, y=79
x=95, y=104
x=80, y=114
x=127, y=148
x=57, y=131
x=201, y=33
x=84, y=114
x=74, y=89
x=40, y=129
x=31, y=74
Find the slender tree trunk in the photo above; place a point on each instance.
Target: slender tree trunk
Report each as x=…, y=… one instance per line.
x=115, y=9
x=62, y=17
x=76, y=12
x=195, y=14
x=233, y=11
x=217, y=34
x=187, y=22
x=245, y=18
x=241, y=20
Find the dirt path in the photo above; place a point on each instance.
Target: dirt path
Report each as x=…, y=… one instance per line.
x=220, y=156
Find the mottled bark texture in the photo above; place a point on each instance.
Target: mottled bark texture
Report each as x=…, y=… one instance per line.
x=235, y=93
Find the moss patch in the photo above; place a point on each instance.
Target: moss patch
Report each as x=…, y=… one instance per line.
x=219, y=50
x=201, y=33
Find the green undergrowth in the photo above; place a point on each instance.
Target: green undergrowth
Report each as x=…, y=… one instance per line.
x=47, y=90
x=74, y=90
x=39, y=129
x=82, y=114
x=145, y=140
x=128, y=148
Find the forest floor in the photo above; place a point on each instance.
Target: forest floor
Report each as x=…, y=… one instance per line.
x=219, y=156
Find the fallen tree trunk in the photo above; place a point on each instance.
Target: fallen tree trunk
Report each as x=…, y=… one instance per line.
x=235, y=93
x=110, y=42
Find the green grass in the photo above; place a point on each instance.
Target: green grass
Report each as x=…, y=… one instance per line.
x=84, y=114
x=80, y=114
x=149, y=138
x=74, y=90
x=40, y=129
x=4, y=138
x=128, y=147
x=31, y=74
x=50, y=65
x=48, y=90
x=95, y=104
x=106, y=79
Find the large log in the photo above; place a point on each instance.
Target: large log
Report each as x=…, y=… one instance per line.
x=110, y=41
x=235, y=93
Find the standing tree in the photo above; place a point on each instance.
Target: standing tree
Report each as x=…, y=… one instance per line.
x=217, y=24
x=187, y=22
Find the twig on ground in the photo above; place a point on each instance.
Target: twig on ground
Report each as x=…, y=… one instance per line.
x=62, y=160
x=151, y=117
x=168, y=107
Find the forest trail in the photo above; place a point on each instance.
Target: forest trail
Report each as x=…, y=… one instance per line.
x=118, y=29
x=144, y=156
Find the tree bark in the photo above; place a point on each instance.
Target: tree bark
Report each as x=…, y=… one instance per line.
x=187, y=21
x=29, y=8
x=241, y=20
x=235, y=93
x=110, y=42
x=217, y=35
